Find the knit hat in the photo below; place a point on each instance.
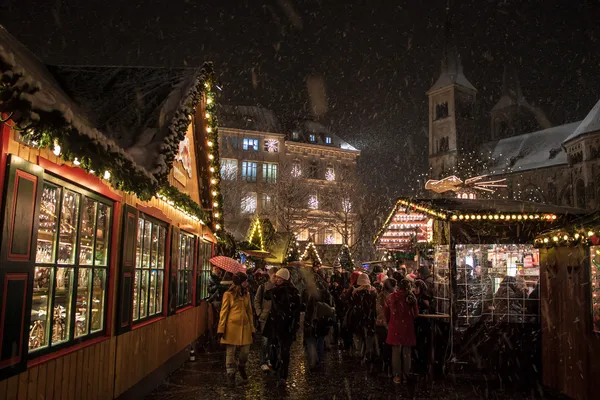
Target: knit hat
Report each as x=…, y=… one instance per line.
x=239, y=278
x=363, y=280
x=381, y=277
x=354, y=277
x=284, y=274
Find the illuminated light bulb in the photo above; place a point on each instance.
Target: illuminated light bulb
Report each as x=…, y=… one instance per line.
x=514, y=217
x=209, y=100
x=467, y=217
x=472, y=216
x=215, y=204
x=461, y=217
x=56, y=149
x=518, y=216
x=207, y=115
x=107, y=174
x=209, y=143
x=565, y=237
x=545, y=240
x=502, y=217
x=208, y=129
x=553, y=216
x=479, y=217
x=216, y=215
x=92, y=171
x=454, y=217
x=590, y=233
x=214, y=193
x=217, y=226
x=496, y=216
x=555, y=238
x=577, y=236
x=211, y=157
x=485, y=217
x=76, y=161
x=213, y=181
x=212, y=169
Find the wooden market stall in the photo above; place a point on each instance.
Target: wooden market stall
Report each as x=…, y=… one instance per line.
x=485, y=269
x=570, y=307
x=110, y=206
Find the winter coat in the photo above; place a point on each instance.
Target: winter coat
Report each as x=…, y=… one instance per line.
x=380, y=308
x=509, y=302
x=361, y=311
x=400, y=317
x=213, y=286
x=284, y=318
x=262, y=306
x=315, y=292
x=236, y=319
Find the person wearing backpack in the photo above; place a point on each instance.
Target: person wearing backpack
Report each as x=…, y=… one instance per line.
x=319, y=316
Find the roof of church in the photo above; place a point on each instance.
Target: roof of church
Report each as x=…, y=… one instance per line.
x=533, y=150
x=591, y=123
x=448, y=78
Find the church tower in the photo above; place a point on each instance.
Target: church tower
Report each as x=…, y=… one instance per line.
x=451, y=109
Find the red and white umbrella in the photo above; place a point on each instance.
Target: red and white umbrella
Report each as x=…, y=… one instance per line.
x=228, y=264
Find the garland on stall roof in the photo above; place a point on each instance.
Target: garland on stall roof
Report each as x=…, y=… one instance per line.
x=183, y=202
x=585, y=237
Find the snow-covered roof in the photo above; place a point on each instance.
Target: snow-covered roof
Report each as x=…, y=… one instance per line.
x=139, y=113
x=452, y=78
x=591, y=123
x=305, y=128
x=529, y=151
x=252, y=118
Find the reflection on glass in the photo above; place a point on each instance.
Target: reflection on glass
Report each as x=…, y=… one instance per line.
x=68, y=227
x=147, y=238
x=154, y=243
x=61, y=316
x=136, y=304
x=161, y=247
x=48, y=220
x=86, y=236
x=98, y=290
x=152, y=289
x=40, y=318
x=82, y=305
x=143, y=293
x=102, y=226
x=138, y=246
x=159, y=291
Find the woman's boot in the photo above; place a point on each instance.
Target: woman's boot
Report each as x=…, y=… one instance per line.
x=242, y=371
x=231, y=380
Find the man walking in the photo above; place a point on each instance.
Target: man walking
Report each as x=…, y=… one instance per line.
x=283, y=320
x=262, y=307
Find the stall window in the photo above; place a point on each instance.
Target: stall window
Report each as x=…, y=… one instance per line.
x=595, y=281
x=441, y=280
x=148, y=286
x=71, y=268
x=185, y=272
x=205, y=253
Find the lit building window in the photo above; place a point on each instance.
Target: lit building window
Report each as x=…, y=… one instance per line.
x=249, y=203
x=266, y=201
x=296, y=169
x=271, y=145
x=330, y=174
x=313, y=202
x=269, y=172
x=250, y=144
x=312, y=138
x=327, y=140
x=249, y=171
x=295, y=135
x=229, y=169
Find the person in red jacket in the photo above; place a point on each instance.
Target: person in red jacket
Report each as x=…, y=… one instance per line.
x=400, y=312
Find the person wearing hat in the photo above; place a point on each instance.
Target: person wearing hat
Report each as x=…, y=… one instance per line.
x=283, y=321
x=360, y=318
x=236, y=327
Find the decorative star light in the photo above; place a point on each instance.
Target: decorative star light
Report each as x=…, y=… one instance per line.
x=272, y=145
x=296, y=171
x=330, y=174
x=313, y=202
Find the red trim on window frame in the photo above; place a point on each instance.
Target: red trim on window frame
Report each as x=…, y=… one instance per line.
x=195, y=278
x=185, y=308
x=112, y=267
x=20, y=174
x=80, y=177
x=154, y=212
x=21, y=276
x=67, y=350
x=129, y=320
x=167, y=275
x=5, y=133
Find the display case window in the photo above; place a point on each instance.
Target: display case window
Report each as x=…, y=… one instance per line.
x=497, y=281
x=441, y=280
x=69, y=282
x=149, y=268
x=185, y=272
x=204, y=256
x=595, y=286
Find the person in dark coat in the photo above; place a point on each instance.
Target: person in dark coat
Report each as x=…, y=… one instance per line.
x=509, y=301
x=316, y=327
x=400, y=312
x=361, y=315
x=262, y=308
x=336, y=287
x=284, y=320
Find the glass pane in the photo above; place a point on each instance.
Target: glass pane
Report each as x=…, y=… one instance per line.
x=98, y=290
x=68, y=227
x=154, y=243
x=161, y=247
x=82, y=305
x=46, y=242
x=147, y=241
x=136, y=288
x=40, y=318
x=61, y=317
x=102, y=234
x=144, y=294
x=138, y=248
x=152, y=301
x=86, y=236
x=182, y=252
x=159, y=291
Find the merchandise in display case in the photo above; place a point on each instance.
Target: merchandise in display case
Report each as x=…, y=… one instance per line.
x=595, y=286
x=186, y=269
x=441, y=279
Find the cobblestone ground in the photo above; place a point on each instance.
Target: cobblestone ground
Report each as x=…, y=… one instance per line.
x=340, y=377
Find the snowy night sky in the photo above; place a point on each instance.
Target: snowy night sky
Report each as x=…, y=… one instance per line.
x=375, y=62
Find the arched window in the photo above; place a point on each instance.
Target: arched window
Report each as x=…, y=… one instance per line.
x=566, y=196
x=580, y=194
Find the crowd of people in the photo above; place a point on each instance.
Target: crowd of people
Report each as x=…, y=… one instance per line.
x=370, y=314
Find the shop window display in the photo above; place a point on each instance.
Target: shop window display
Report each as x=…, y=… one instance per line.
x=498, y=281
x=185, y=272
x=205, y=268
x=149, y=268
x=595, y=286
x=441, y=279
x=69, y=284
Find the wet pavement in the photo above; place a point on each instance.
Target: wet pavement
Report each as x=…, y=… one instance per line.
x=341, y=377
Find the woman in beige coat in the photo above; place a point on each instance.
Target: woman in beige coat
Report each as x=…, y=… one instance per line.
x=236, y=327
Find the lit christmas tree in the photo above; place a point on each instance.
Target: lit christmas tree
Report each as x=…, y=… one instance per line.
x=293, y=253
x=311, y=253
x=256, y=235
x=345, y=259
